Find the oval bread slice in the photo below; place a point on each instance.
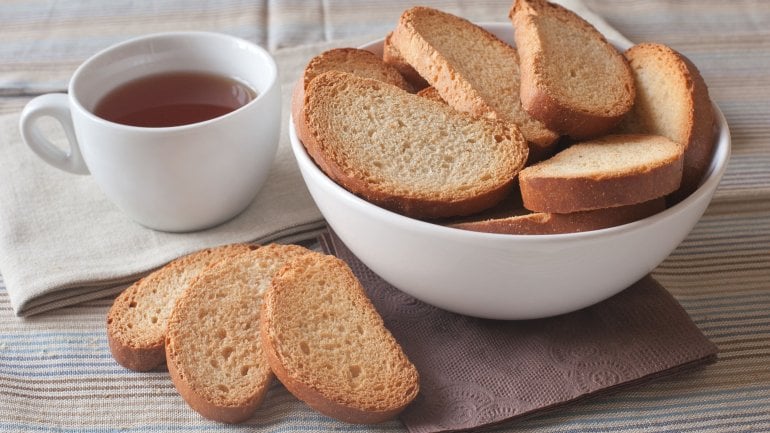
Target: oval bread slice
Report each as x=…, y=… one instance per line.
x=572, y=79
x=328, y=345
x=407, y=153
x=672, y=100
x=136, y=322
x=614, y=170
x=213, y=352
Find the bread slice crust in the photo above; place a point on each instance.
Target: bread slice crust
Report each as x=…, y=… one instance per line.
x=542, y=223
x=137, y=319
x=614, y=170
x=406, y=153
x=672, y=100
x=431, y=93
x=213, y=352
x=328, y=345
x=572, y=79
x=485, y=83
x=393, y=57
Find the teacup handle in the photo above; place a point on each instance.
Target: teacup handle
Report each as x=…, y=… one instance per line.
x=55, y=105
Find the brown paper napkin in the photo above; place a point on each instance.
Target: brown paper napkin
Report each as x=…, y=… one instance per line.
x=476, y=372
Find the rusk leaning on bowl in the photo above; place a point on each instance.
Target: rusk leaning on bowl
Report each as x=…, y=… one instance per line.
x=505, y=276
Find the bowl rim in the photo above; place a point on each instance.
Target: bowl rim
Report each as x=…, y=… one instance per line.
x=719, y=160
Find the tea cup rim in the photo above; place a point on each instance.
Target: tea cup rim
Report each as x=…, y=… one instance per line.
x=270, y=63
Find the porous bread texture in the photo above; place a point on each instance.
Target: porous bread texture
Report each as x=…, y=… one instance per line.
x=572, y=79
x=472, y=70
x=328, y=345
x=407, y=153
x=543, y=223
x=136, y=322
x=614, y=170
x=352, y=60
x=672, y=100
x=213, y=351
x=391, y=56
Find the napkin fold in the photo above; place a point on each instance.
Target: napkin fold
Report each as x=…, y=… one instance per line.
x=476, y=373
x=62, y=241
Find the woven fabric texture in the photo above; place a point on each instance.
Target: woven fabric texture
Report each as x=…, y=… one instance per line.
x=56, y=372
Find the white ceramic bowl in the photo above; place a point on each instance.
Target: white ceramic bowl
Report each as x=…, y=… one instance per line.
x=506, y=276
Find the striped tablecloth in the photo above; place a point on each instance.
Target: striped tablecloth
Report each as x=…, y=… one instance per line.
x=56, y=373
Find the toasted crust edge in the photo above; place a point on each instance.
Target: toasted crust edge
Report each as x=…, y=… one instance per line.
x=393, y=57
x=226, y=414
x=553, y=223
x=315, y=399
x=137, y=358
x=298, y=92
x=700, y=148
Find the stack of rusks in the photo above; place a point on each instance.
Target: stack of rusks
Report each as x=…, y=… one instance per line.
x=561, y=134
x=227, y=320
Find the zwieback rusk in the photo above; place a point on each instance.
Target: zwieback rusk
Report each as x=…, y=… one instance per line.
x=407, y=153
x=613, y=170
x=328, y=345
x=136, y=322
x=672, y=100
x=213, y=351
x=353, y=60
x=470, y=68
x=572, y=79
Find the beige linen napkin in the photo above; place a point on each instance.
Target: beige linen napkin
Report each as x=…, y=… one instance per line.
x=63, y=242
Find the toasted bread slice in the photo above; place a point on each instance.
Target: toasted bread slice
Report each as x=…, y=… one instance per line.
x=572, y=79
x=406, y=153
x=614, y=170
x=136, y=322
x=472, y=70
x=672, y=100
x=391, y=56
x=355, y=61
x=542, y=223
x=213, y=352
x=328, y=345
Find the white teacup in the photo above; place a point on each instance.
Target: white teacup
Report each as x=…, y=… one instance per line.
x=178, y=178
